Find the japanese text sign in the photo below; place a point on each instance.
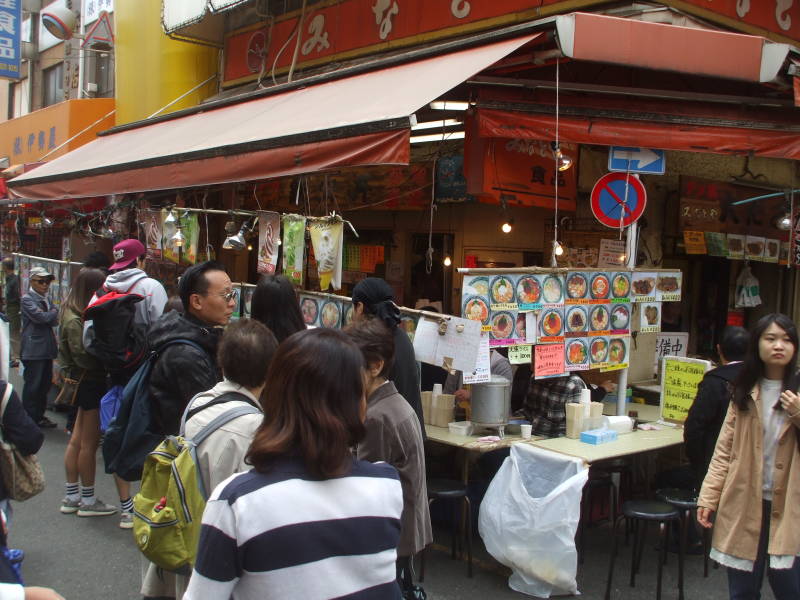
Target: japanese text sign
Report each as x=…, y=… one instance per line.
x=681, y=377
x=10, y=38
x=670, y=344
x=549, y=360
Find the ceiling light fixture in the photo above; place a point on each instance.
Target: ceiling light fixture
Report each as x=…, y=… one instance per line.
x=171, y=218
x=563, y=161
x=507, y=225
x=178, y=240
x=447, y=261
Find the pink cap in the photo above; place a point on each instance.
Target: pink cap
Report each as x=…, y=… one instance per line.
x=125, y=253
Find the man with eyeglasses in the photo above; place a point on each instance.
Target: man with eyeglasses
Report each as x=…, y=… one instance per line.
x=38, y=346
x=182, y=370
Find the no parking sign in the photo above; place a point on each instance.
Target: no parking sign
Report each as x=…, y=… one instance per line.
x=618, y=199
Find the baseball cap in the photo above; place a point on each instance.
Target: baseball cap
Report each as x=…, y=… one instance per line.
x=125, y=253
x=40, y=273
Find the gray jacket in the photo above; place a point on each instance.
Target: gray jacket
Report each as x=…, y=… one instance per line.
x=38, y=340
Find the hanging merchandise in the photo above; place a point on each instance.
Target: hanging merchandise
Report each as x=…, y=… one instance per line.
x=190, y=225
x=747, y=289
x=327, y=240
x=294, y=247
x=169, y=227
x=152, y=228
x=269, y=232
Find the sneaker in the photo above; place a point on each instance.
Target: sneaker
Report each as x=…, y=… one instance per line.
x=98, y=509
x=70, y=506
x=46, y=423
x=125, y=520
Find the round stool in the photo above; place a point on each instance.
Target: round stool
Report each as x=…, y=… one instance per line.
x=686, y=501
x=642, y=512
x=450, y=489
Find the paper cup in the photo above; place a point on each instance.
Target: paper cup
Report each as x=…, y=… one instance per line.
x=525, y=430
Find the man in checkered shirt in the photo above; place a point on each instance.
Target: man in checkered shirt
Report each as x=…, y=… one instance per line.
x=545, y=403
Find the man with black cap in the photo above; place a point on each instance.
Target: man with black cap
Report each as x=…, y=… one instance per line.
x=38, y=345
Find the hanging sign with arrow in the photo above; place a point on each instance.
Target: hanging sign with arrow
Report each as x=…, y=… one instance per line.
x=636, y=160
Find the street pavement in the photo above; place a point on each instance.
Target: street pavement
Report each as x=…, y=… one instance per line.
x=92, y=559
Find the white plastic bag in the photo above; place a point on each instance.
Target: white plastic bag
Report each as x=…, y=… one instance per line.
x=529, y=517
x=747, y=289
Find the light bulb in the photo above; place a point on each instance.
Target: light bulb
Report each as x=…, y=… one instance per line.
x=47, y=221
x=506, y=227
x=447, y=261
x=170, y=217
x=178, y=240
x=250, y=247
x=785, y=222
x=558, y=249
x=564, y=161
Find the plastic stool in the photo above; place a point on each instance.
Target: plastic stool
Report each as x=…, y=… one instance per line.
x=643, y=512
x=686, y=501
x=450, y=489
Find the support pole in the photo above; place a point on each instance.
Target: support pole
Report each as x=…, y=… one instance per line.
x=631, y=248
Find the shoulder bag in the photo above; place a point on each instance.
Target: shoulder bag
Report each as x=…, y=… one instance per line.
x=22, y=475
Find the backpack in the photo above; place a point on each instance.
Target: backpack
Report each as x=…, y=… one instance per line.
x=129, y=437
x=168, y=509
x=109, y=406
x=116, y=340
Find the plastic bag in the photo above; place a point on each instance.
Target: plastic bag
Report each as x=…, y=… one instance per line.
x=529, y=517
x=747, y=289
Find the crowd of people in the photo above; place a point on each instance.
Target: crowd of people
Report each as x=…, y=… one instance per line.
x=317, y=487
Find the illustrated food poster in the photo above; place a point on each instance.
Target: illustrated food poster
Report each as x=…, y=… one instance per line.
x=269, y=235
x=588, y=311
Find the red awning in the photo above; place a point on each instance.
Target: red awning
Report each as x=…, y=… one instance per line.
x=363, y=119
x=494, y=123
x=600, y=38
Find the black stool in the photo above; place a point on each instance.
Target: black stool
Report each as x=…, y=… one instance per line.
x=625, y=470
x=598, y=480
x=686, y=501
x=449, y=489
x=643, y=512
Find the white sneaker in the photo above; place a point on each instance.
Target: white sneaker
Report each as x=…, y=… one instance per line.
x=125, y=520
x=98, y=509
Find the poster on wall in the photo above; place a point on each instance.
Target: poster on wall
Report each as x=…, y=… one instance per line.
x=269, y=231
x=327, y=240
x=153, y=233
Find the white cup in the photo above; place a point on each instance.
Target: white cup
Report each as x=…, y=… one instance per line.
x=437, y=389
x=525, y=430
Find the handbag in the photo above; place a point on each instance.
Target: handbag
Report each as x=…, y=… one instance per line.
x=22, y=475
x=69, y=391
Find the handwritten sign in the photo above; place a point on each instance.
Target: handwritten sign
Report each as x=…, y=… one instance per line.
x=695, y=242
x=482, y=372
x=457, y=348
x=612, y=253
x=680, y=379
x=520, y=355
x=549, y=360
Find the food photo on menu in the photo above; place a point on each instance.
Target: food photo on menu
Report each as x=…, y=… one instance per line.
x=551, y=323
x=408, y=323
x=476, y=309
x=349, y=310
x=599, y=286
x=309, y=308
x=577, y=320
x=577, y=352
x=644, y=284
x=598, y=350
x=599, y=317
x=577, y=286
x=502, y=290
x=620, y=317
x=503, y=323
x=617, y=351
x=331, y=314
x=668, y=285
x=621, y=285
x=529, y=290
x=553, y=289
x=520, y=332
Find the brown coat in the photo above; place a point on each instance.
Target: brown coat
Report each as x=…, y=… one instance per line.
x=733, y=484
x=393, y=436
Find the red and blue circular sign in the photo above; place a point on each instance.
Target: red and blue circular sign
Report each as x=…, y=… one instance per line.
x=618, y=199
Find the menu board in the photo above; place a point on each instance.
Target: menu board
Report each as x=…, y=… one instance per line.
x=681, y=377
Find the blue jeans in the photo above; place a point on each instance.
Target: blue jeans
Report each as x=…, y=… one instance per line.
x=746, y=585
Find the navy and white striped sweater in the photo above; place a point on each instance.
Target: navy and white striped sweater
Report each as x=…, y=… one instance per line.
x=284, y=534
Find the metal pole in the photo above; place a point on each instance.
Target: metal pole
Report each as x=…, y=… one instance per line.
x=631, y=246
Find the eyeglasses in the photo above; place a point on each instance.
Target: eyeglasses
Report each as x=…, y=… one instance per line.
x=228, y=296
x=42, y=281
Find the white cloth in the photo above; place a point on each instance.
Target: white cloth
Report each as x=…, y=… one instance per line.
x=772, y=422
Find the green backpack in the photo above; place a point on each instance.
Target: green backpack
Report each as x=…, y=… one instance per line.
x=168, y=509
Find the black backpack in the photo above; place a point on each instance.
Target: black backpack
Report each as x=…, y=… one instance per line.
x=130, y=437
x=118, y=342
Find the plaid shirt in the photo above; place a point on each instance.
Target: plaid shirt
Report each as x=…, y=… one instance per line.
x=544, y=404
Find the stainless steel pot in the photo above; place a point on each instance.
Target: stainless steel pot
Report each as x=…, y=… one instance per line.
x=491, y=402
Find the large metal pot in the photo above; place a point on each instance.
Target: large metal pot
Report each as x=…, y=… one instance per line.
x=491, y=402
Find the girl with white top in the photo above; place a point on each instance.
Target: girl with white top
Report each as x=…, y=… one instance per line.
x=753, y=482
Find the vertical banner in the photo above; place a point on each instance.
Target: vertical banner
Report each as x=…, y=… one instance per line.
x=152, y=229
x=326, y=238
x=294, y=247
x=269, y=231
x=10, y=38
x=190, y=226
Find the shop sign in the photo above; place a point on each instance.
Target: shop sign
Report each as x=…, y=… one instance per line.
x=92, y=9
x=10, y=38
x=349, y=28
x=695, y=242
x=519, y=172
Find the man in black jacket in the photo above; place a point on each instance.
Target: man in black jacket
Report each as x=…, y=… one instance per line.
x=182, y=370
x=707, y=413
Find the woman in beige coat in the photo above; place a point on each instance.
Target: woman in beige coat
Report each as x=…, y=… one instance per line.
x=753, y=482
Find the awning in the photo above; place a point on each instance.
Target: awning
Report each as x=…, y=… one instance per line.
x=667, y=134
x=360, y=120
x=599, y=38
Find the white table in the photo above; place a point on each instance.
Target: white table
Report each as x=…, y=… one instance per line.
x=636, y=442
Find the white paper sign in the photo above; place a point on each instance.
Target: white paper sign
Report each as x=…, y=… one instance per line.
x=531, y=327
x=612, y=253
x=670, y=344
x=456, y=349
x=482, y=372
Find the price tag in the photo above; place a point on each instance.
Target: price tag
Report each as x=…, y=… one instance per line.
x=520, y=355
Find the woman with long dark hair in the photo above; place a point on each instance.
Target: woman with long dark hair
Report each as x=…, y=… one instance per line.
x=373, y=296
x=753, y=481
x=309, y=520
x=275, y=305
x=85, y=372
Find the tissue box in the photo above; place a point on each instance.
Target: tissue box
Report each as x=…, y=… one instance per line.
x=598, y=436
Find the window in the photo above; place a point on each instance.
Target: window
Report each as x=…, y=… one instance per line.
x=100, y=66
x=18, y=99
x=53, y=85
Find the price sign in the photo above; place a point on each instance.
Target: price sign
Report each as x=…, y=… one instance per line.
x=520, y=355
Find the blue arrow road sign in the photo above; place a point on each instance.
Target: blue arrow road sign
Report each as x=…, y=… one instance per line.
x=636, y=160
